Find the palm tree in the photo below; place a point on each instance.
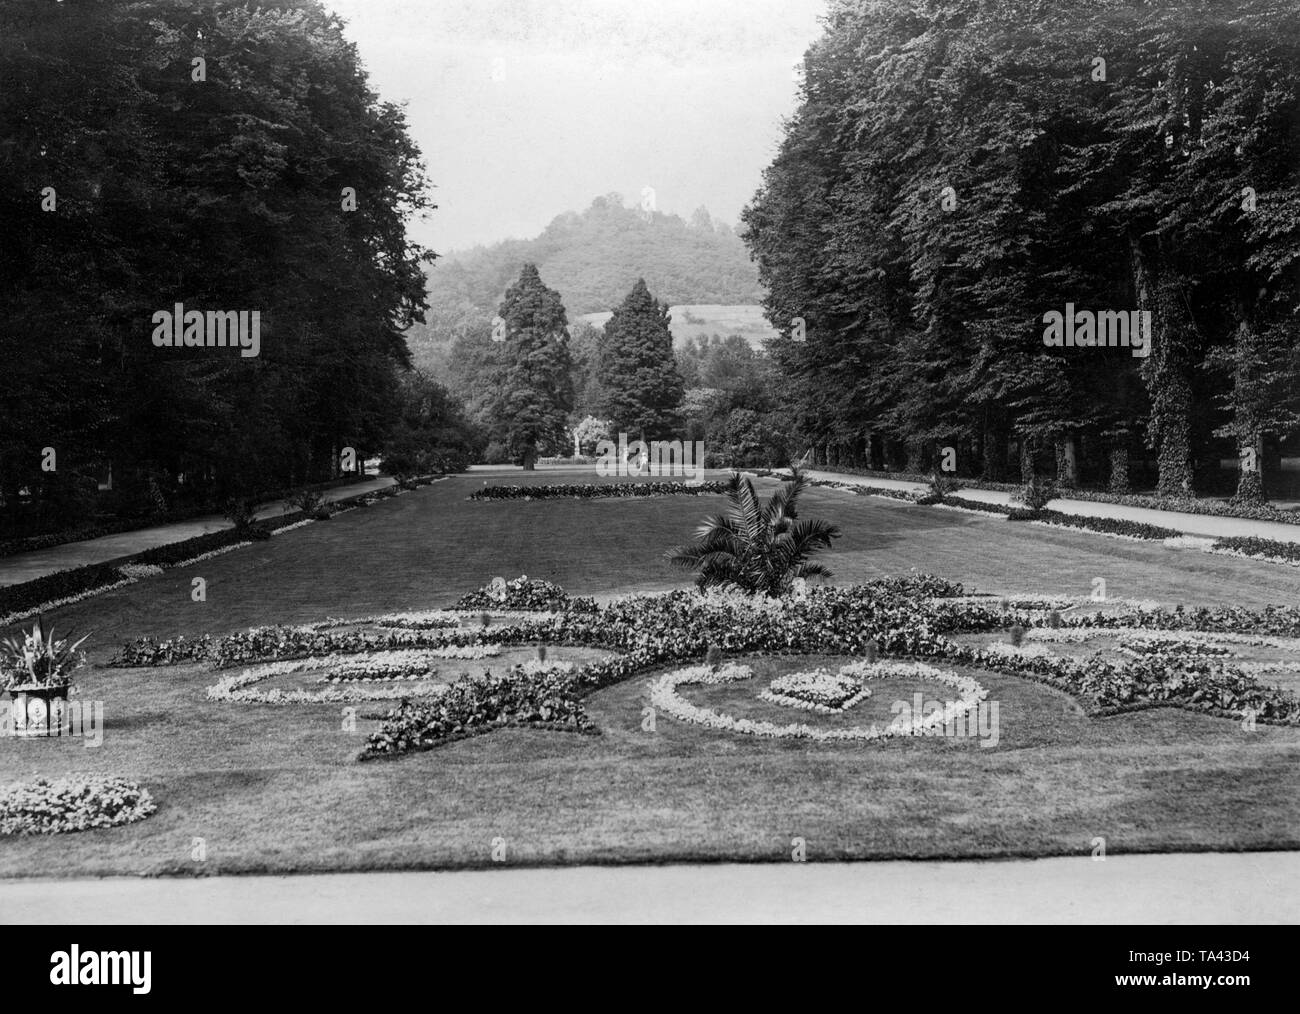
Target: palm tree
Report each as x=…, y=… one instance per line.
x=757, y=548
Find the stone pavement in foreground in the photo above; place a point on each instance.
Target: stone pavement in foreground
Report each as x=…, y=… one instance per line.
x=1207, y=887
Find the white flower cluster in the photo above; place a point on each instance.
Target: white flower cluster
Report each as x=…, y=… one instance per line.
x=1061, y=603
x=75, y=802
x=136, y=571
x=736, y=599
x=237, y=687
x=664, y=697
x=1135, y=634
x=1003, y=649
x=470, y=617
x=819, y=690
x=1045, y=602
x=288, y=528
x=400, y=664
x=209, y=555
x=424, y=620
x=1188, y=542
x=536, y=667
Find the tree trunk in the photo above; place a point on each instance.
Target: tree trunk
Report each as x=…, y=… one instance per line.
x=1026, y=461
x=1164, y=371
x=1067, y=466
x=915, y=451
x=1119, y=468
x=1250, y=479
x=1246, y=412
x=995, y=454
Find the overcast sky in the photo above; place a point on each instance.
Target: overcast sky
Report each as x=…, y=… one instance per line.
x=528, y=108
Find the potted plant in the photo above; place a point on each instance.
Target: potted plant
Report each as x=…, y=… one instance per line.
x=36, y=670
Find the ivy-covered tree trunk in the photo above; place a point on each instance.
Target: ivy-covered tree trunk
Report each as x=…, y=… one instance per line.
x=1250, y=479
x=1067, y=466
x=1246, y=411
x=1026, y=460
x=1119, y=469
x=1165, y=373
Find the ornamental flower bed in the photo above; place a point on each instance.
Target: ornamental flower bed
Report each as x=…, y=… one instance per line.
x=519, y=698
x=819, y=690
x=242, y=688
x=596, y=491
x=664, y=697
x=895, y=618
x=400, y=665
x=72, y=803
x=523, y=593
x=1156, y=646
x=1187, y=681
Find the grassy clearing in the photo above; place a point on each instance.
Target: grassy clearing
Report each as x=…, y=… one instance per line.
x=277, y=789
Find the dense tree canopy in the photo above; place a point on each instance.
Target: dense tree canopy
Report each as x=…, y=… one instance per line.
x=958, y=169
x=228, y=156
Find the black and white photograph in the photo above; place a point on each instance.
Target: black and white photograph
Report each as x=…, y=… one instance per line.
x=685, y=462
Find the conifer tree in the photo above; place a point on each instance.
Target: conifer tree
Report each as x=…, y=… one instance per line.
x=535, y=393
x=641, y=388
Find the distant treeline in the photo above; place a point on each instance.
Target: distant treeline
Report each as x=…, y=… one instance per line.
x=592, y=259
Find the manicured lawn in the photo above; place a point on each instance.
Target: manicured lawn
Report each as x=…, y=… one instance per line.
x=278, y=789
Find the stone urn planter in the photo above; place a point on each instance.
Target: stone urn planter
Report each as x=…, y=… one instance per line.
x=36, y=710
x=36, y=670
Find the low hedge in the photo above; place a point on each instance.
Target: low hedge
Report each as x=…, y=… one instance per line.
x=31, y=544
x=585, y=491
x=18, y=598
x=177, y=552
x=63, y=584
x=976, y=505
x=1189, y=505
x=1252, y=546
x=1109, y=526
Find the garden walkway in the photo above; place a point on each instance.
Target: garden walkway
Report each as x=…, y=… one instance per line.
x=1191, y=524
x=29, y=566
x=1207, y=887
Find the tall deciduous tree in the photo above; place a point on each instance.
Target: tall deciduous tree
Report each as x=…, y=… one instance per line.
x=225, y=156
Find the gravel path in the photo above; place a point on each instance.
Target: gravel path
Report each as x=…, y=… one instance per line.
x=1190, y=524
